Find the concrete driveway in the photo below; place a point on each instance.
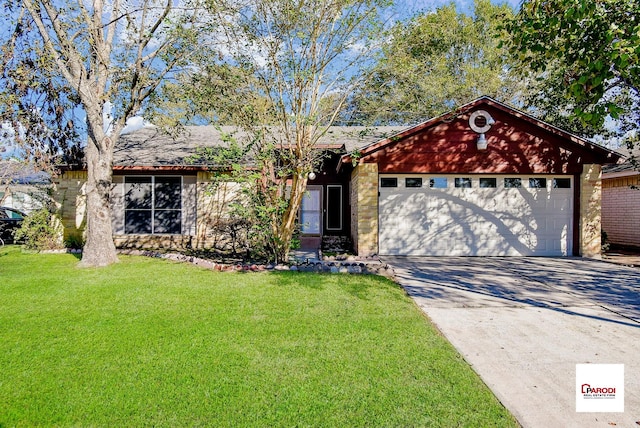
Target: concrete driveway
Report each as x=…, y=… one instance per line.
x=524, y=323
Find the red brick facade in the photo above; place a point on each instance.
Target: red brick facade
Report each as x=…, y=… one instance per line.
x=621, y=210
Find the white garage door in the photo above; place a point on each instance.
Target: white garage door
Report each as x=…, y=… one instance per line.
x=445, y=215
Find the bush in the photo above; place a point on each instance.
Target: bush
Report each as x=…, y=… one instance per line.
x=74, y=241
x=39, y=231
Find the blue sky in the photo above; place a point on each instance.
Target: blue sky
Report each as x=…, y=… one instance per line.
x=411, y=7
x=401, y=10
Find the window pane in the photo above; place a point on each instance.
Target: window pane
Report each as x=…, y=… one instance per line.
x=438, y=182
x=334, y=207
x=488, y=182
x=167, y=222
x=389, y=182
x=168, y=193
x=512, y=183
x=413, y=182
x=463, y=182
x=137, y=221
x=137, y=193
x=538, y=183
x=310, y=221
x=562, y=183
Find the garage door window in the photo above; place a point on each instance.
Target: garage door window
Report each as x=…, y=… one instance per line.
x=512, y=183
x=562, y=183
x=463, y=182
x=488, y=182
x=438, y=183
x=389, y=182
x=537, y=183
x=413, y=182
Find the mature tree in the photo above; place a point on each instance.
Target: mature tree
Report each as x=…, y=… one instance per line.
x=97, y=52
x=288, y=68
x=38, y=126
x=436, y=61
x=586, y=50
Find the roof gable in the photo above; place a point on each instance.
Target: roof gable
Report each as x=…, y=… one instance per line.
x=517, y=143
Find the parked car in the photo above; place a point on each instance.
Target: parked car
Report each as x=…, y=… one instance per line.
x=10, y=220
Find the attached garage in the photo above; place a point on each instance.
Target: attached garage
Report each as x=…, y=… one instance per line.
x=483, y=180
x=480, y=215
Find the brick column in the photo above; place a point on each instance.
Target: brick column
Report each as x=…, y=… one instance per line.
x=71, y=202
x=364, y=209
x=590, y=211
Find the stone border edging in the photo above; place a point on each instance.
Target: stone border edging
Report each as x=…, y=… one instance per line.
x=372, y=267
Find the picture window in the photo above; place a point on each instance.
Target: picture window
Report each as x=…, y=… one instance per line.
x=153, y=205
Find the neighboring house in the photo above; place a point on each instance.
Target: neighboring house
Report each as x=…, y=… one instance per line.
x=483, y=180
x=621, y=203
x=23, y=188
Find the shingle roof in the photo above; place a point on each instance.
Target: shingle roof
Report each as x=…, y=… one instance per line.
x=625, y=167
x=18, y=173
x=151, y=147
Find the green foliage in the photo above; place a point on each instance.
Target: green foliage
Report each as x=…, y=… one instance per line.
x=146, y=342
x=355, y=155
x=74, y=58
x=587, y=50
x=434, y=62
x=74, y=241
x=39, y=231
x=36, y=104
x=250, y=214
x=282, y=76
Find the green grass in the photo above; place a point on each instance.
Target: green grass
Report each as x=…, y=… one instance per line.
x=150, y=342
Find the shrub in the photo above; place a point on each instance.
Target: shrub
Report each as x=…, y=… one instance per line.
x=74, y=241
x=39, y=231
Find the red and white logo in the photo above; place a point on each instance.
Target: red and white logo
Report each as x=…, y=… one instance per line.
x=599, y=387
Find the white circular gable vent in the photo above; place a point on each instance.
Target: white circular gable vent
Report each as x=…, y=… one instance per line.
x=487, y=120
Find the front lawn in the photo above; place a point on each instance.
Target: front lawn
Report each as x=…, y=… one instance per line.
x=154, y=343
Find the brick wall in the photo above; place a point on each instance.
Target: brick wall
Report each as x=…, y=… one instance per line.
x=590, y=211
x=621, y=210
x=364, y=209
x=215, y=228
x=69, y=196
x=210, y=229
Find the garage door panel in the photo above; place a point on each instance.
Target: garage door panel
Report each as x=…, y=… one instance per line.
x=475, y=221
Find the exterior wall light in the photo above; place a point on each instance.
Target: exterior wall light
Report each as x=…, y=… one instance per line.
x=482, y=142
x=481, y=129
x=312, y=176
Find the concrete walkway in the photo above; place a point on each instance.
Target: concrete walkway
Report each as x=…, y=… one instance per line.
x=524, y=323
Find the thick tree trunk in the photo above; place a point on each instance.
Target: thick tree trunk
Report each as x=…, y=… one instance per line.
x=288, y=224
x=99, y=249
